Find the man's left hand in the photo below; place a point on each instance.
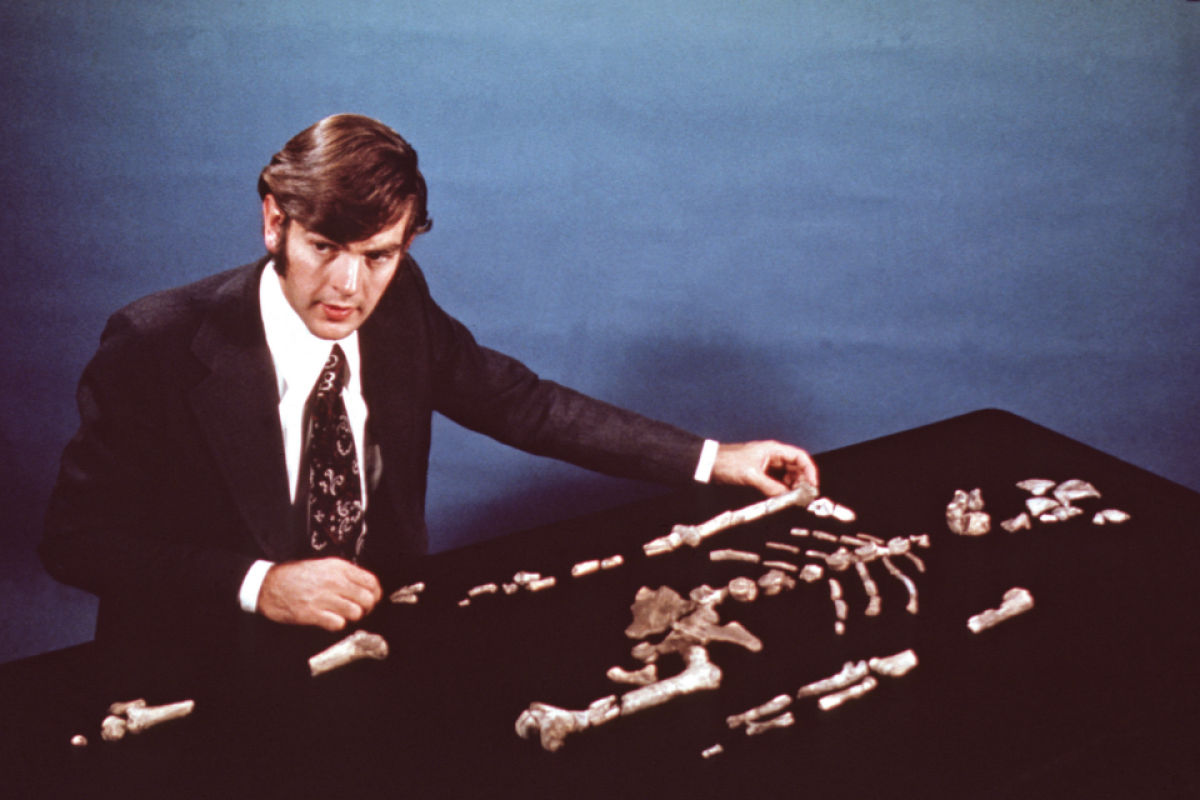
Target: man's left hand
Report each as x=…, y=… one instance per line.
x=771, y=467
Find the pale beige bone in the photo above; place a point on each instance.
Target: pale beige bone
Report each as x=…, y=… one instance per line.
x=407, y=594
x=851, y=673
x=786, y=566
x=824, y=537
x=611, y=562
x=692, y=534
x=585, y=568
x=894, y=666
x=120, y=708
x=1016, y=601
x=699, y=675
x=540, y=584
x=908, y=584
x=821, y=507
x=715, y=750
x=851, y=693
x=510, y=588
x=852, y=541
x=1114, y=515
x=775, y=581
x=839, y=627
x=965, y=515
x=554, y=724
x=646, y=675
x=839, y=604
x=358, y=645
x=843, y=514
x=1037, y=486
x=784, y=720
x=525, y=578
x=919, y=539
x=1017, y=523
x=767, y=709
x=799, y=531
x=789, y=548
x=1041, y=505
x=734, y=555
x=112, y=728
x=743, y=590
x=812, y=573
x=870, y=538
x=487, y=588
x=141, y=718
x=79, y=740
x=466, y=601
x=873, y=601
x=1068, y=492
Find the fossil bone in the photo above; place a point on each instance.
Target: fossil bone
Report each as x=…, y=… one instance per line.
x=1016, y=601
x=851, y=673
x=358, y=645
x=1036, y=486
x=1108, y=515
x=1069, y=491
x=743, y=590
x=873, y=602
x=693, y=534
x=799, y=531
x=645, y=675
x=965, y=515
x=120, y=709
x=843, y=514
x=908, y=584
x=466, y=601
x=554, y=724
x=112, y=728
x=821, y=507
x=79, y=740
x=1017, y=523
x=734, y=555
x=894, y=666
x=1041, y=505
x=919, y=539
x=783, y=565
x=812, y=573
x=487, y=588
x=788, y=548
x=823, y=536
x=715, y=750
x=525, y=578
x=851, y=693
x=767, y=709
x=510, y=588
x=142, y=717
x=407, y=594
x=775, y=581
x=784, y=720
x=614, y=561
x=700, y=675
x=540, y=584
x=585, y=568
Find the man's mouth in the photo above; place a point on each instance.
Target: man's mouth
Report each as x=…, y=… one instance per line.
x=336, y=313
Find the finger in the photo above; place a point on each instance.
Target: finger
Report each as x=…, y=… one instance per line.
x=329, y=621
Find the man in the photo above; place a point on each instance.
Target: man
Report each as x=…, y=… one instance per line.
x=238, y=431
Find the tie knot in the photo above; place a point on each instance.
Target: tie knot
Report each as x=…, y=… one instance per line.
x=335, y=372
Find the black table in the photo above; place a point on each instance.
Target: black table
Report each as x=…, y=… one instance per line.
x=1090, y=694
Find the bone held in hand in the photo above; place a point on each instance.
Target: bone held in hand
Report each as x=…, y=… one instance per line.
x=357, y=646
x=691, y=535
x=1016, y=601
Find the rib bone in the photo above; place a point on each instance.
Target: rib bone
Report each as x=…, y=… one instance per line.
x=765, y=710
x=851, y=673
x=357, y=646
x=784, y=720
x=894, y=666
x=858, y=690
x=734, y=555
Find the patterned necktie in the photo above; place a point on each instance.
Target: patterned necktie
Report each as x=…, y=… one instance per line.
x=335, y=508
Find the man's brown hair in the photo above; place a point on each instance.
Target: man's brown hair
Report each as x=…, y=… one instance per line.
x=347, y=177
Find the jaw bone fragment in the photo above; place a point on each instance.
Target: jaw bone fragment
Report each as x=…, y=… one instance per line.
x=645, y=675
x=1036, y=486
x=1069, y=491
x=765, y=710
x=407, y=594
x=851, y=673
x=784, y=720
x=143, y=717
x=1109, y=515
x=965, y=515
x=894, y=666
x=357, y=646
x=693, y=534
x=857, y=690
x=1016, y=601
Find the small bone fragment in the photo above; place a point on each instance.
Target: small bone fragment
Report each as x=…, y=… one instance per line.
x=840, y=560
x=657, y=547
x=784, y=720
x=873, y=602
x=743, y=590
x=143, y=717
x=112, y=728
x=908, y=584
x=788, y=548
x=823, y=536
x=894, y=666
x=1016, y=601
x=734, y=555
x=919, y=539
x=120, y=709
x=357, y=646
x=774, y=582
x=799, y=531
x=811, y=573
x=487, y=588
x=646, y=675
x=784, y=565
x=1017, y=523
x=79, y=740
x=554, y=724
x=851, y=673
x=843, y=514
x=716, y=749
x=609, y=563
x=1040, y=505
x=835, y=594
x=706, y=595
x=699, y=675
x=821, y=507
x=852, y=693
x=407, y=594
x=767, y=709
x=839, y=627
x=1048, y=518
x=1069, y=491
x=965, y=515
x=540, y=584
x=585, y=568
x=1036, y=486
x=510, y=588
x=654, y=610
x=466, y=601
x=853, y=541
x=1110, y=515
x=525, y=578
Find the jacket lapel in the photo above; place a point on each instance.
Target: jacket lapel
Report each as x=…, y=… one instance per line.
x=238, y=408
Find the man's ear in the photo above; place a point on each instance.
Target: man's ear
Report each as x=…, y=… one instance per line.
x=273, y=221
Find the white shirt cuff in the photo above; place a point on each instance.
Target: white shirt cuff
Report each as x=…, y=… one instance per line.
x=708, y=457
x=252, y=585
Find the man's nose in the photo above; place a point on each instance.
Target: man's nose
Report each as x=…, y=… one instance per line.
x=346, y=273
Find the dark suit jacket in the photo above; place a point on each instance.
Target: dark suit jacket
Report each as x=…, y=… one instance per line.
x=175, y=482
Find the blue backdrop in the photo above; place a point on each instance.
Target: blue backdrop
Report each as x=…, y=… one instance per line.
x=817, y=221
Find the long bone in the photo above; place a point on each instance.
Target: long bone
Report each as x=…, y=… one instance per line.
x=851, y=673
x=692, y=535
x=357, y=646
x=857, y=690
x=1016, y=601
x=784, y=720
x=767, y=709
x=143, y=717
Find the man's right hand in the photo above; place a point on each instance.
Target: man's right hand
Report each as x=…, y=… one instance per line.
x=328, y=592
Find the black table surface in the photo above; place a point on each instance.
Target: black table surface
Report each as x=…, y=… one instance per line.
x=1091, y=694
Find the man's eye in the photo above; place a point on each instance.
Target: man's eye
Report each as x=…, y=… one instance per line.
x=322, y=247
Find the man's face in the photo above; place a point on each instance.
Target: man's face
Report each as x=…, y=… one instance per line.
x=333, y=287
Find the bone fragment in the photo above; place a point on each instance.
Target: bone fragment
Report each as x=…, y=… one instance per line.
x=555, y=724
x=1114, y=515
x=811, y=573
x=775, y=581
x=767, y=709
x=839, y=627
x=706, y=595
x=919, y=539
x=965, y=515
x=654, y=610
x=799, y=531
x=112, y=728
x=1040, y=505
x=699, y=675
x=743, y=590
x=585, y=568
x=734, y=555
x=783, y=565
x=908, y=584
x=1036, y=486
x=646, y=675
x=540, y=584
x=692, y=534
x=525, y=578
x=852, y=693
x=823, y=536
x=851, y=673
x=787, y=548
x=487, y=588
x=357, y=646
x=1069, y=491
x=1017, y=523
x=843, y=514
x=79, y=740
x=142, y=717
x=510, y=588
x=853, y=541
x=466, y=601
x=614, y=561
x=120, y=709
x=715, y=750
x=839, y=604
x=407, y=594
x=873, y=602
x=821, y=507
x=784, y=720
x=1016, y=601
x=894, y=666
